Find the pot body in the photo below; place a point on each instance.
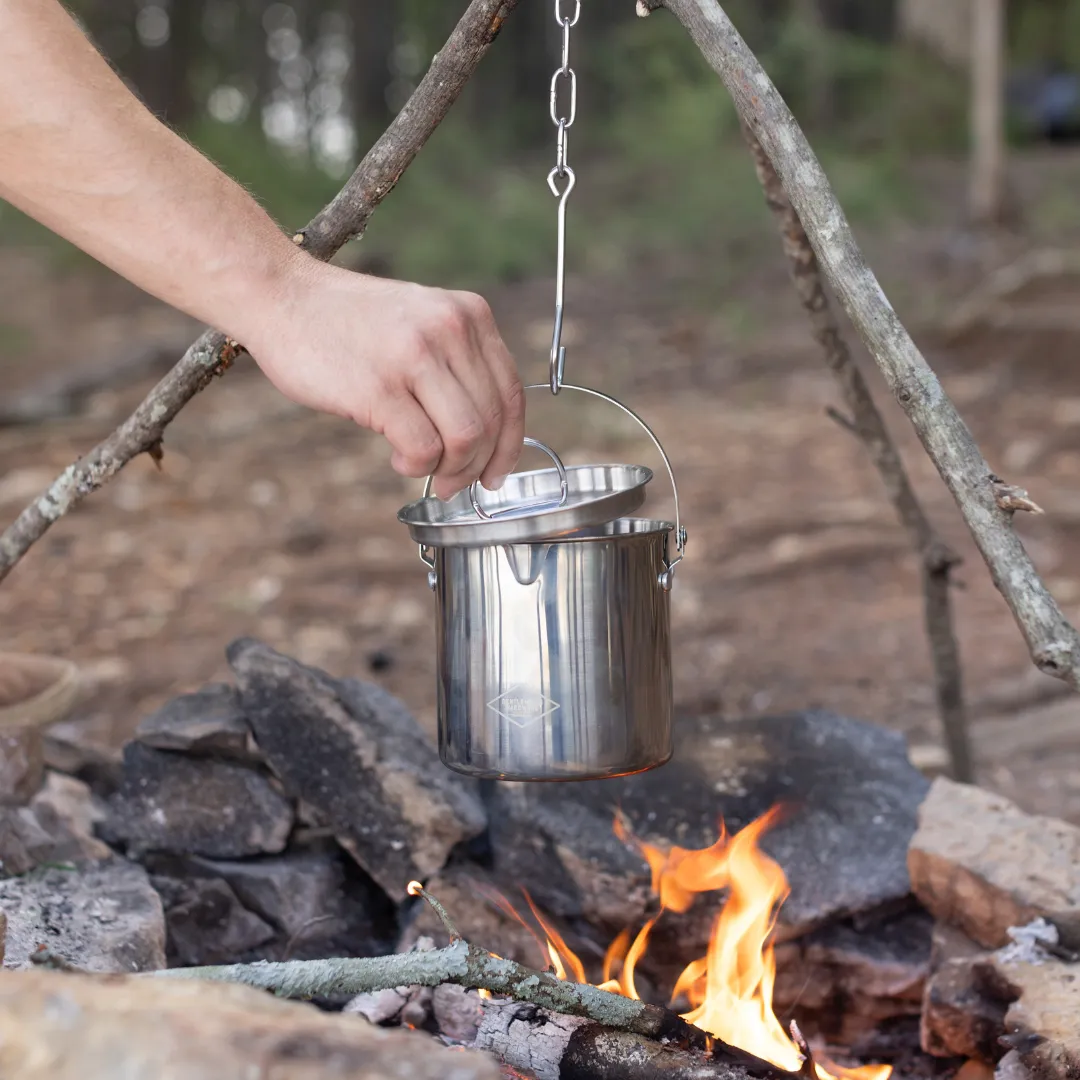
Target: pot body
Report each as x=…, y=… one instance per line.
x=554, y=658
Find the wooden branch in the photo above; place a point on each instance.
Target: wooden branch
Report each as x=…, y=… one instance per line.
x=552, y=1046
x=343, y=219
x=867, y=424
x=472, y=967
x=1053, y=643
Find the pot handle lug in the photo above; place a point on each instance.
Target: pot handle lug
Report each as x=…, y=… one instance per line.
x=429, y=562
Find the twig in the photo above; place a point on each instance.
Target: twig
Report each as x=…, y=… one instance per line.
x=808, y=1070
x=461, y=963
x=1012, y=498
x=979, y=306
x=343, y=219
x=1053, y=643
x=867, y=424
x=414, y=888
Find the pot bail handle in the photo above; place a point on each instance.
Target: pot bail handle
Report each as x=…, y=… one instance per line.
x=668, y=576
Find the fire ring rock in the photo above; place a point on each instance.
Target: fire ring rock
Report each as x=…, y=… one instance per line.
x=357, y=756
x=173, y=803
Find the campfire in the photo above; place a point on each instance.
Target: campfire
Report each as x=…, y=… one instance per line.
x=298, y=833
x=730, y=989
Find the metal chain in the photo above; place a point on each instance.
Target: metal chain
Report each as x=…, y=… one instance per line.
x=562, y=173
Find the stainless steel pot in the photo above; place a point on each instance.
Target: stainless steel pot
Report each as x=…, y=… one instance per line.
x=554, y=656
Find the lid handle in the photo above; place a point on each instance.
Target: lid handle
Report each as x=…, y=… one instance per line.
x=536, y=505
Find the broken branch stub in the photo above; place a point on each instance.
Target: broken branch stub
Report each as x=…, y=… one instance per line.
x=1052, y=641
x=342, y=220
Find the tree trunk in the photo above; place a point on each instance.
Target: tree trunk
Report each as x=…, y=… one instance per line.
x=987, y=178
x=373, y=26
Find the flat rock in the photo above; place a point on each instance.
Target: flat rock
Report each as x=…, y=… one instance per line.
x=317, y=902
x=851, y=798
x=105, y=917
x=207, y=722
x=174, y=803
x=843, y=983
x=356, y=755
x=981, y=864
x=57, y=1026
x=1043, y=1024
x=206, y=923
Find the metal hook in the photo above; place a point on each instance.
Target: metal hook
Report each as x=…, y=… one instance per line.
x=557, y=359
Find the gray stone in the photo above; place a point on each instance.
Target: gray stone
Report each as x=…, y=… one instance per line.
x=57, y=827
x=1042, y=1022
x=208, y=722
x=356, y=755
x=24, y=842
x=206, y=923
x=981, y=864
x=173, y=803
x=105, y=917
x=69, y=810
x=319, y=903
x=850, y=798
x=58, y=1026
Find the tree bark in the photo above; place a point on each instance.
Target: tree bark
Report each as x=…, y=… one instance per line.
x=625, y=1038
x=987, y=176
x=866, y=422
x=1053, y=643
x=343, y=219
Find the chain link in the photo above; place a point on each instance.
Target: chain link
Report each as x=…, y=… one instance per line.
x=563, y=175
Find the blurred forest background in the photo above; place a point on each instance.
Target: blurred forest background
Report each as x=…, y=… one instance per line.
x=285, y=96
x=799, y=588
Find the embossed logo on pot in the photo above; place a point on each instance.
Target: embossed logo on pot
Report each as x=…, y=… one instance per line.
x=522, y=706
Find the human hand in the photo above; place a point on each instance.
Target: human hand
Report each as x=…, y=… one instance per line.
x=424, y=367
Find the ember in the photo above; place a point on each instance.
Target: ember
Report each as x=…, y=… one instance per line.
x=730, y=989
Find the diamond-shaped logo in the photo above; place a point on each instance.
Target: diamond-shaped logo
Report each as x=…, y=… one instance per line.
x=522, y=706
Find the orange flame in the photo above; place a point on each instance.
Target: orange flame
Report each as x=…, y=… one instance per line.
x=730, y=989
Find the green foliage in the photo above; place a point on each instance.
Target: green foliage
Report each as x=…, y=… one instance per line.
x=290, y=187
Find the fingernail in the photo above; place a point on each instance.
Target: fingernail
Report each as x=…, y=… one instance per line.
x=496, y=483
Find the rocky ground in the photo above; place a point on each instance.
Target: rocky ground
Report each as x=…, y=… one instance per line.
x=798, y=589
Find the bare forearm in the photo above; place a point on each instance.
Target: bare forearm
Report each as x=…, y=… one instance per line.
x=424, y=367
x=80, y=154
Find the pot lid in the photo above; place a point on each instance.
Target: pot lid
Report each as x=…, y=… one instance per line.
x=530, y=506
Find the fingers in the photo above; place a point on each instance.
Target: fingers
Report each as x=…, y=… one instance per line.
x=458, y=421
x=465, y=380
x=506, y=385
x=417, y=447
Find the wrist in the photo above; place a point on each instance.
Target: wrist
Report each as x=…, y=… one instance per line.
x=264, y=292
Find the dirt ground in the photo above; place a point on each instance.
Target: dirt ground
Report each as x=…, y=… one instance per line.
x=798, y=589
